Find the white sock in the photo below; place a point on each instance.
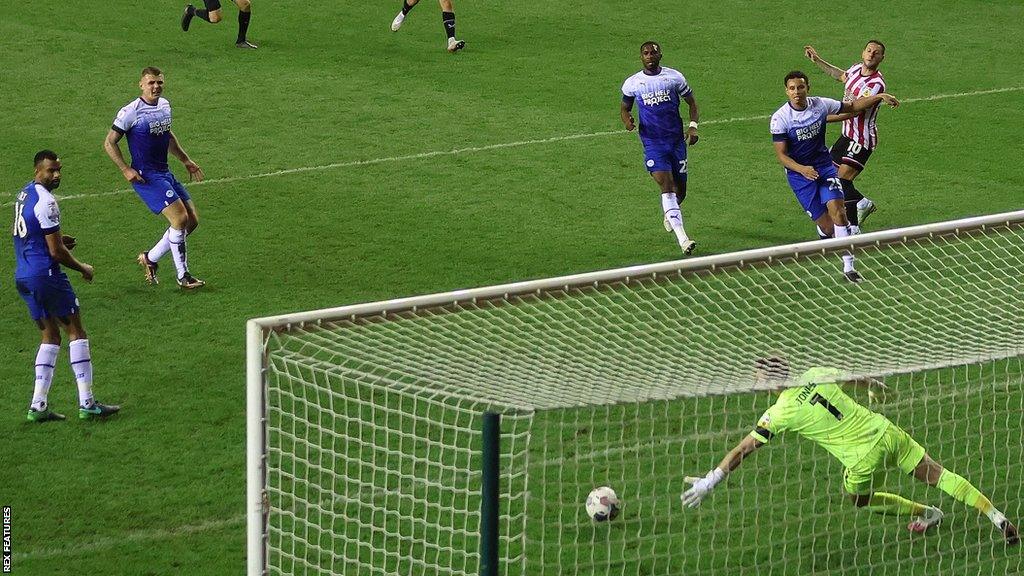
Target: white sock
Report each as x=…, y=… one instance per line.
x=176, y=238
x=46, y=359
x=854, y=230
x=670, y=206
x=81, y=365
x=843, y=232
x=160, y=248
x=996, y=517
x=864, y=203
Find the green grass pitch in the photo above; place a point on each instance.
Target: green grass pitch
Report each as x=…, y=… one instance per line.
x=160, y=489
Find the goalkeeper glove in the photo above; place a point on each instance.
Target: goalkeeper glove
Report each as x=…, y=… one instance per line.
x=701, y=487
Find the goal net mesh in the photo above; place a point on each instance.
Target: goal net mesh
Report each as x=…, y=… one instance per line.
x=372, y=422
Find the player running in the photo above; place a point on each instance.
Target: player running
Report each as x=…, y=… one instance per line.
x=865, y=442
x=657, y=90
x=146, y=121
x=447, y=18
x=39, y=251
x=798, y=134
x=211, y=13
x=860, y=131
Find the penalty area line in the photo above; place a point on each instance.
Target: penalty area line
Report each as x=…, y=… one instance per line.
x=106, y=543
x=499, y=146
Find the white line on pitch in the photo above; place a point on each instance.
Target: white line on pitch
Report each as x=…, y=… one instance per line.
x=47, y=552
x=474, y=149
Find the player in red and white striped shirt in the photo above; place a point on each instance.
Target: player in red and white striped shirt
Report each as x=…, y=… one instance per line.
x=860, y=132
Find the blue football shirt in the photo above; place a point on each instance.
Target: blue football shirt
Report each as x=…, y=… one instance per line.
x=657, y=97
x=148, y=130
x=804, y=130
x=35, y=215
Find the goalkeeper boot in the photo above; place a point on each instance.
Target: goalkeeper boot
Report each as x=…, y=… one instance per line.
x=864, y=210
x=397, y=22
x=97, y=411
x=44, y=415
x=148, y=267
x=455, y=45
x=186, y=17
x=931, y=517
x=1010, y=533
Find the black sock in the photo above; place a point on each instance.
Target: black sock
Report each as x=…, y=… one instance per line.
x=203, y=13
x=243, y=25
x=449, y=23
x=850, y=198
x=405, y=7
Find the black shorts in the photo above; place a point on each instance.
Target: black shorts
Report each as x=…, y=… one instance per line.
x=212, y=5
x=846, y=151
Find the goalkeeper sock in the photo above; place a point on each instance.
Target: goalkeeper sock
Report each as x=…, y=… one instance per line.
x=894, y=505
x=958, y=487
x=674, y=215
x=81, y=365
x=203, y=14
x=46, y=359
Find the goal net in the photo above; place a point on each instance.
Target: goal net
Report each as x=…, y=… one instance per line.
x=365, y=422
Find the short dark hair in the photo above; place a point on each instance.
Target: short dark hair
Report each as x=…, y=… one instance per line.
x=650, y=43
x=151, y=71
x=775, y=367
x=795, y=74
x=44, y=155
x=879, y=42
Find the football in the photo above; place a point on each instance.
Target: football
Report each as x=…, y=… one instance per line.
x=602, y=504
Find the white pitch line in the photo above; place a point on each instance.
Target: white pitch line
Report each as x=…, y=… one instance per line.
x=475, y=149
x=46, y=552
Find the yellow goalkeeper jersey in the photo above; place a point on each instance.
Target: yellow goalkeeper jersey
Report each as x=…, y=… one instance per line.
x=820, y=411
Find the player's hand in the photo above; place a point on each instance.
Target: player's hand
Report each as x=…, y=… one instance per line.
x=809, y=172
x=87, y=272
x=69, y=241
x=630, y=124
x=890, y=100
x=195, y=173
x=132, y=175
x=878, y=391
x=811, y=53
x=701, y=487
x=691, y=136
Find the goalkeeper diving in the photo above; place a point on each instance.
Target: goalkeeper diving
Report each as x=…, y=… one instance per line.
x=865, y=442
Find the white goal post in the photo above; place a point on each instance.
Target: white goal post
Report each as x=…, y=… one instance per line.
x=366, y=423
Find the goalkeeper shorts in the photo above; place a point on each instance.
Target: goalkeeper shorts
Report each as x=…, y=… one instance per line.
x=894, y=449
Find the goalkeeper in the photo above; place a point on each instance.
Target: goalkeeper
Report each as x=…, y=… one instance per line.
x=865, y=442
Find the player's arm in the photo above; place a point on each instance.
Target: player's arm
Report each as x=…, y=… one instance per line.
x=691, y=132
x=861, y=104
x=60, y=253
x=833, y=71
x=625, y=107
x=194, y=171
x=841, y=117
x=111, y=145
x=782, y=154
x=703, y=486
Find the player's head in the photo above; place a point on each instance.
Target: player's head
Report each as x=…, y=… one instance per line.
x=47, y=166
x=873, y=54
x=650, y=55
x=797, y=86
x=771, y=369
x=151, y=83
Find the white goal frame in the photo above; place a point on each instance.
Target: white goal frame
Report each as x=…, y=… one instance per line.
x=259, y=329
